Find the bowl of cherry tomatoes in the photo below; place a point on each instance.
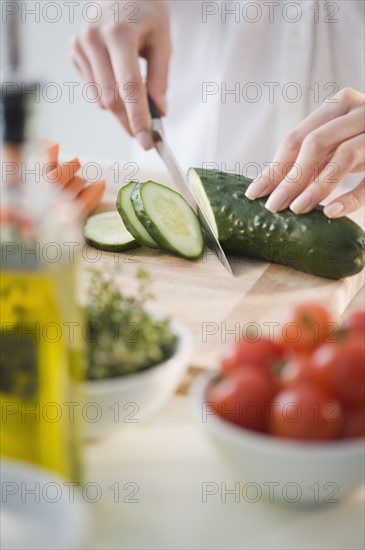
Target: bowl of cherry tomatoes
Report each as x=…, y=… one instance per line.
x=289, y=414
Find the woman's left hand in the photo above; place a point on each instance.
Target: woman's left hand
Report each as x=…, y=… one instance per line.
x=326, y=146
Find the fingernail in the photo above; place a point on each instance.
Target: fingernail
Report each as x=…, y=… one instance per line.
x=277, y=200
x=145, y=140
x=334, y=210
x=303, y=203
x=257, y=188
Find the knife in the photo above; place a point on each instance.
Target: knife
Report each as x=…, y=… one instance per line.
x=182, y=182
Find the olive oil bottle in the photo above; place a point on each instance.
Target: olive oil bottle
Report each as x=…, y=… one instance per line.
x=41, y=347
x=40, y=326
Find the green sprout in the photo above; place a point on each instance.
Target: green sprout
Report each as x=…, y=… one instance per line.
x=121, y=336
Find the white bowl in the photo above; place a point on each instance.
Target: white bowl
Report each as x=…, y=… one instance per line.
x=281, y=470
x=127, y=400
x=38, y=511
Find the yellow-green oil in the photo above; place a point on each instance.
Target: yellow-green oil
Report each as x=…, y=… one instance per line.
x=41, y=347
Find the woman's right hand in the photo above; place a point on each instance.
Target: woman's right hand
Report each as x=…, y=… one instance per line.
x=106, y=53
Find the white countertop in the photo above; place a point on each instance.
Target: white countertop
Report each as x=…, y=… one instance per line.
x=166, y=461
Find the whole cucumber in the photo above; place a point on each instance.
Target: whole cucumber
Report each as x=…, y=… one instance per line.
x=309, y=242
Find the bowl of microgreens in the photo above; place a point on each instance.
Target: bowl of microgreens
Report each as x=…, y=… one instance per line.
x=134, y=359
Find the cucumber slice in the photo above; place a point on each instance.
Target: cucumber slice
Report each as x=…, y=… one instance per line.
x=106, y=231
x=200, y=194
x=128, y=215
x=168, y=218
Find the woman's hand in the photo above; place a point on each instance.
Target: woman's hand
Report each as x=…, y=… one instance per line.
x=106, y=53
x=326, y=146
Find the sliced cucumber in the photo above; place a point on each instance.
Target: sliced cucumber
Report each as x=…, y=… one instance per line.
x=128, y=215
x=201, y=196
x=106, y=231
x=168, y=218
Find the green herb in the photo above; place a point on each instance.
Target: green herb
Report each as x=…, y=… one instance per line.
x=122, y=337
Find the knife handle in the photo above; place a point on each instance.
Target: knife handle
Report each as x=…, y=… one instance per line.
x=153, y=108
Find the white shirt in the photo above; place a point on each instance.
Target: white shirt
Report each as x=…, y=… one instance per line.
x=294, y=54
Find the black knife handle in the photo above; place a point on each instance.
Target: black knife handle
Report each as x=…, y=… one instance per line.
x=153, y=108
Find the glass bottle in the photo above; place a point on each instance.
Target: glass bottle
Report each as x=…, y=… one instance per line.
x=40, y=324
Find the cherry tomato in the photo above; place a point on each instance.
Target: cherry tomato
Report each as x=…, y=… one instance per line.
x=307, y=326
x=263, y=353
x=297, y=371
x=305, y=413
x=354, y=323
x=242, y=398
x=340, y=370
x=354, y=422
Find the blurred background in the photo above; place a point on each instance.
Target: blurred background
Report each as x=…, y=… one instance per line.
x=68, y=117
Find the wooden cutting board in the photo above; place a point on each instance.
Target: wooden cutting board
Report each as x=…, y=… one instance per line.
x=217, y=307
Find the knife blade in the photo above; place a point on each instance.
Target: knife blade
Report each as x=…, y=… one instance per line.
x=182, y=182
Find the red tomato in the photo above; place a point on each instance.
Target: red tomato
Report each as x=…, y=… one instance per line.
x=297, y=371
x=305, y=413
x=340, y=370
x=242, y=398
x=308, y=325
x=354, y=423
x=355, y=323
x=263, y=353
